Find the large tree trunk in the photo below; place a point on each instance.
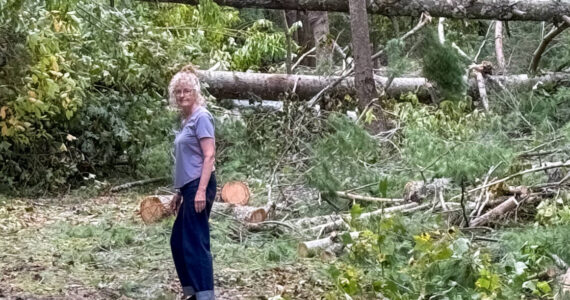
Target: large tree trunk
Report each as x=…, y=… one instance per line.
x=240, y=85
x=304, y=35
x=363, y=76
x=319, y=21
x=523, y=10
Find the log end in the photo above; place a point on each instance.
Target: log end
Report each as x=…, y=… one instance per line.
x=303, y=250
x=257, y=215
x=235, y=192
x=153, y=209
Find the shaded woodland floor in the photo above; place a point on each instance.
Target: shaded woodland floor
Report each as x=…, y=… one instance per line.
x=98, y=248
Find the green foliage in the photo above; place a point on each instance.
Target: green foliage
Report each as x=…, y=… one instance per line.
x=397, y=61
x=83, y=85
x=453, y=142
x=344, y=157
x=542, y=111
x=443, y=66
x=537, y=241
x=407, y=258
x=262, y=45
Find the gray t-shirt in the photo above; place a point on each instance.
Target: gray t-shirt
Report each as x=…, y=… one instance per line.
x=187, y=151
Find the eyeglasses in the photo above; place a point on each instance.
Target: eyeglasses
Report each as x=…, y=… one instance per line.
x=179, y=92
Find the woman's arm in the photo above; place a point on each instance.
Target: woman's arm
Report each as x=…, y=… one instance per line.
x=208, y=146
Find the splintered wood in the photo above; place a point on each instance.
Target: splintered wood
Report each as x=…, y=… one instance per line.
x=235, y=192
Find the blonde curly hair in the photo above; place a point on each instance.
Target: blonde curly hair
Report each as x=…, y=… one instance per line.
x=186, y=75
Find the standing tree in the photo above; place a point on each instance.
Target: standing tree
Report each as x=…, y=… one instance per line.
x=319, y=21
x=363, y=76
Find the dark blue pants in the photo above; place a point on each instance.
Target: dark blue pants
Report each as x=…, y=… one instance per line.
x=190, y=243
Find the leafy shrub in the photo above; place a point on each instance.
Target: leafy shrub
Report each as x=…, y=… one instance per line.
x=453, y=142
x=344, y=157
x=83, y=84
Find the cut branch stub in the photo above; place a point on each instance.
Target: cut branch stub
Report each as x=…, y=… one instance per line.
x=235, y=192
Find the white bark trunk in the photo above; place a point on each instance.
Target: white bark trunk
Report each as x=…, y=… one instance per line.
x=240, y=85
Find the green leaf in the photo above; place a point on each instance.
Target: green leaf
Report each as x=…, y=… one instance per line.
x=355, y=211
x=544, y=287
x=346, y=238
x=383, y=187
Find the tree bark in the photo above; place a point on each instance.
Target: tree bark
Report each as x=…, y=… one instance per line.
x=309, y=248
x=496, y=212
x=304, y=35
x=362, y=53
x=363, y=76
x=499, y=47
x=155, y=208
x=542, y=47
x=522, y=10
x=319, y=22
x=240, y=85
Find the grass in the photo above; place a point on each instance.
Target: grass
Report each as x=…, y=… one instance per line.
x=99, y=244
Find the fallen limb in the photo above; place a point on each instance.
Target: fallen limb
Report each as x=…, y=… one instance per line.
x=542, y=47
x=310, y=248
x=498, y=211
x=137, y=183
x=342, y=219
x=546, y=167
x=367, y=198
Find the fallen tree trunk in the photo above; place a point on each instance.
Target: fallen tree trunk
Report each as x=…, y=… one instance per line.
x=341, y=220
x=241, y=85
x=137, y=183
x=522, y=10
x=155, y=208
x=310, y=248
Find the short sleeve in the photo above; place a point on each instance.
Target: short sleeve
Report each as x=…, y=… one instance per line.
x=205, y=126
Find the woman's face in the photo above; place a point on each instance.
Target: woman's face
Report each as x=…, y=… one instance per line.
x=185, y=94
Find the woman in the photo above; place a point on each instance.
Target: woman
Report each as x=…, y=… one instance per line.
x=194, y=148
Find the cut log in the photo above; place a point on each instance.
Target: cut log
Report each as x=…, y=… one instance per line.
x=310, y=248
x=496, y=212
x=155, y=208
x=240, y=85
x=522, y=10
x=249, y=214
x=235, y=192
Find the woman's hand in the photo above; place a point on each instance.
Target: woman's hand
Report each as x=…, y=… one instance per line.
x=175, y=203
x=200, y=201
